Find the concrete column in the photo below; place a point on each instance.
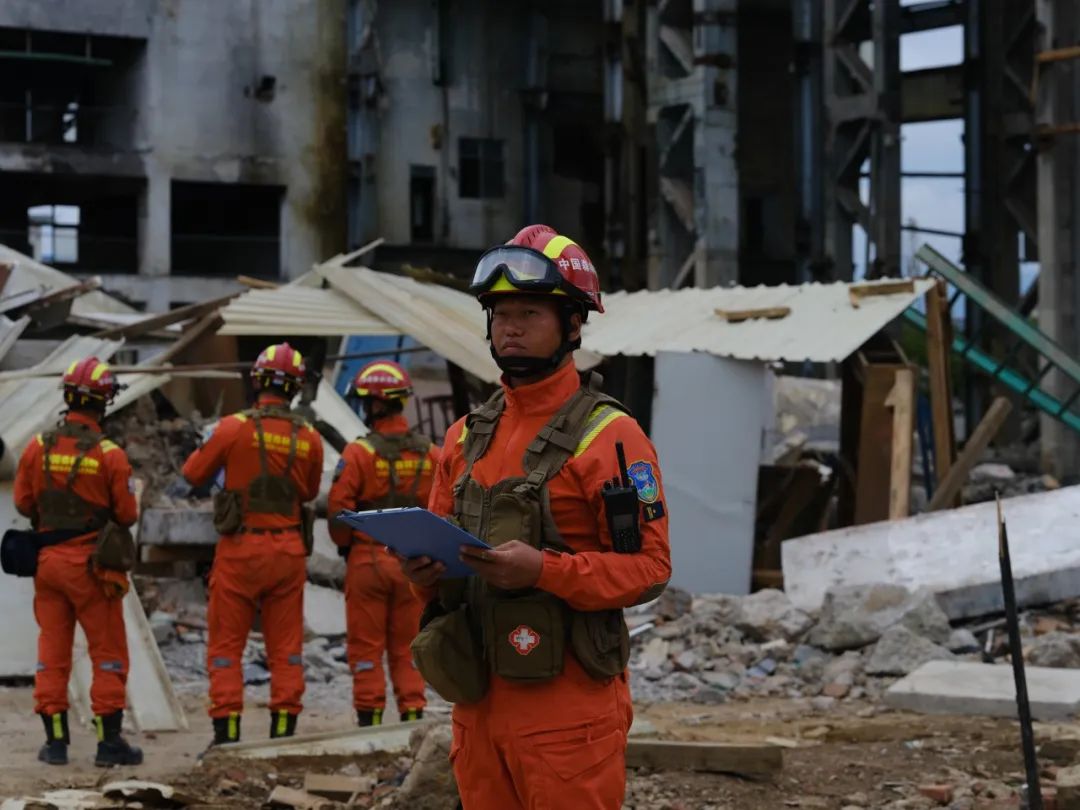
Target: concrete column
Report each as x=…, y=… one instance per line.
x=1059, y=218
x=155, y=225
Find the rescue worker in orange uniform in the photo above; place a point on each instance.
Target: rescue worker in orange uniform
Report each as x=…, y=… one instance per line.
x=390, y=467
x=272, y=461
x=533, y=649
x=71, y=482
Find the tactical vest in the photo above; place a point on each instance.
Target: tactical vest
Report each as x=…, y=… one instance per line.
x=268, y=492
x=61, y=507
x=475, y=629
x=391, y=448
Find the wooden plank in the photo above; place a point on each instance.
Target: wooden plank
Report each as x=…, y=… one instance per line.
x=257, y=283
x=938, y=342
x=1058, y=54
x=155, y=322
x=391, y=738
x=873, y=473
x=902, y=401
x=337, y=787
x=743, y=760
x=981, y=437
x=767, y=578
x=856, y=292
x=740, y=315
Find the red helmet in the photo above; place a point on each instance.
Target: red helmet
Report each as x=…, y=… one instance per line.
x=89, y=382
x=382, y=379
x=538, y=260
x=278, y=365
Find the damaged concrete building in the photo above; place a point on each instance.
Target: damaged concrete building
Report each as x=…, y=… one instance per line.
x=167, y=146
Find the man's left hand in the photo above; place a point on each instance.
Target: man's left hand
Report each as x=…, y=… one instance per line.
x=511, y=566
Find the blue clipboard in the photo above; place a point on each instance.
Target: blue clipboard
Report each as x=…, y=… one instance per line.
x=415, y=532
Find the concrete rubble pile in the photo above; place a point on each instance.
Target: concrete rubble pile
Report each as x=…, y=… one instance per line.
x=718, y=648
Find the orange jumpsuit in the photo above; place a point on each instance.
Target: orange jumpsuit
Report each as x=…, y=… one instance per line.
x=383, y=614
x=560, y=743
x=65, y=590
x=263, y=566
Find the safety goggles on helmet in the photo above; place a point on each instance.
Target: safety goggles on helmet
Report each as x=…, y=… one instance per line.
x=523, y=269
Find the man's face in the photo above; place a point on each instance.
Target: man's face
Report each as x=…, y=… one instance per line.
x=528, y=326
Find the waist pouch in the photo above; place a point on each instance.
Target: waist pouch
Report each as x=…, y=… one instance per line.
x=600, y=641
x=228, y=511
x=19, y=549
x=525, y=635
x=115, y=550
x=449, y=655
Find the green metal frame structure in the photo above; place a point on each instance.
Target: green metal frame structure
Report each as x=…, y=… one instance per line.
x=1051, y=355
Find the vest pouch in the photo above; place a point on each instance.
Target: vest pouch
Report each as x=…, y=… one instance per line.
x=307, y=527
x=63, y=509
x=271, y=495
x=514, y=516
x=450, y=657
x=115, y=549
x=228, y=511
x=525, y=635
x=600, y=641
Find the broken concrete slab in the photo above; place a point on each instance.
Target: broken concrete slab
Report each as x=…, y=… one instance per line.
x=963, y=572
x=171, y=526
x=430, y=783
x=967, y=688
x=324, y=610
x=331, y=743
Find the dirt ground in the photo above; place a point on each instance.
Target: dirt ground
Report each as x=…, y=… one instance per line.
x=854, y=755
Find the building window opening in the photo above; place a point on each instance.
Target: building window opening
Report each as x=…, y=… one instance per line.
x=422, y=203
x=226, y=229
x=480, y=168
x=54, y=233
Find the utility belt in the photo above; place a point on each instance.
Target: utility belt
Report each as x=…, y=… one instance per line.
x=268, y=530
x=229, y=519
x=114, y=547
x=521, y=637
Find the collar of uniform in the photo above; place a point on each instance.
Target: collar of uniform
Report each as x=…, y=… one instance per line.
x=397, y=423
x=545, y=396
x=271, y=399
x=83, y=419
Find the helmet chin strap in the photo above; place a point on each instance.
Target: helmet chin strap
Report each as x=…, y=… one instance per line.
x=523, y=367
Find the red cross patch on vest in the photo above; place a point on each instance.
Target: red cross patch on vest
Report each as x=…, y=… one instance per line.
x=524, y=639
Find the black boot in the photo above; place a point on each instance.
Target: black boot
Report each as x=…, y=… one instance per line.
x=282, y=724
x=54, y=751
x=369, y=717
x=409, y=715
x=227, y=729
x=112, y=749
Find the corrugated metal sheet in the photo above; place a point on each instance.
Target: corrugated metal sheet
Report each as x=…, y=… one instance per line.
x=445, y=320
x=823, y=325
x=33, y=275
x=297, y=309
x=10, y=331
x=29, y=405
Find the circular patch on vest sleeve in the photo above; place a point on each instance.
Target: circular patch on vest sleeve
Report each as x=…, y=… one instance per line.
x=524, y=639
